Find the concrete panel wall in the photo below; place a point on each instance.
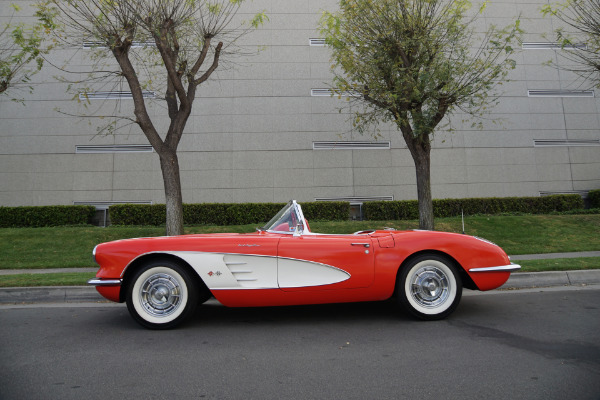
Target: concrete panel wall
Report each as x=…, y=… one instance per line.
x=251, y=134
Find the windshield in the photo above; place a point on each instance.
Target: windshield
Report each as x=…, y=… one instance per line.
x=286, y=220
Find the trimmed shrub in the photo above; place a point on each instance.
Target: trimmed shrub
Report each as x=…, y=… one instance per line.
x=40, y=216
x=388, y=210
x=229, y=213
x=326, y=211
x=137, y=214
x=224, y=213
x=394, y=210
x=594, y=198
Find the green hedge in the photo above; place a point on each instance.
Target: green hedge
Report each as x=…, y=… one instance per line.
x=254, y=213
x=19, y=217
x=326, y=211
x=594, y=198
x=393, y=210
x=223, y=213
x=137, y=214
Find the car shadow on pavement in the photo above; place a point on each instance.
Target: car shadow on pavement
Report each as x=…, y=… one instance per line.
x=213, y=313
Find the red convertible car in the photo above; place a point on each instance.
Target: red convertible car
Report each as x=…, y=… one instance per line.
x=163, y=279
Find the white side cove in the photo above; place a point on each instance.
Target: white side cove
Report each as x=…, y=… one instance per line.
x=298, y=273
x=242, y=271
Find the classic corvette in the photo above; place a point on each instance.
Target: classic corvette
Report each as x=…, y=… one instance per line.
x=163, y=279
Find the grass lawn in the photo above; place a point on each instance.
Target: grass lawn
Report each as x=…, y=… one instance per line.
x=559, y=264
x=60, y=279
x=71, y=247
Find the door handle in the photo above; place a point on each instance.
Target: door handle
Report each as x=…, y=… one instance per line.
x=360, y=244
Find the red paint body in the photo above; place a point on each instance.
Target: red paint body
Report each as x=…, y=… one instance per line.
x=372, y=270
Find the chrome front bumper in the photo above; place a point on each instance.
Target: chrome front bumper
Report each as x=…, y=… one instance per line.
x=503, y=268
x=105, y=282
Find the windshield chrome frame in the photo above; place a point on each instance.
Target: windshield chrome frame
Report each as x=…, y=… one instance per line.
x=295, y=207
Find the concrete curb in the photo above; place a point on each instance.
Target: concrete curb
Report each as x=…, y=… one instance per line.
x=522, y=280
x=50, y=294
x=87, y=294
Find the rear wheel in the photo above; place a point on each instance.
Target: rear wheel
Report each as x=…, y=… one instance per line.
x=429, y=287
x=162, y=294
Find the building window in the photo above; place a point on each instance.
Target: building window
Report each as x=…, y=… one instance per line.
x=332, y=93
x=117, y=148
x=147, y=94
x=552, y=46
x=560, y=93
x=89, y=45
x=386, y=145
x=565, y=142
x=356, y=199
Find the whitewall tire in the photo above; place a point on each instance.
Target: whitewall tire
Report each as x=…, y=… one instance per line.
x=429, y=287
x=161, y=295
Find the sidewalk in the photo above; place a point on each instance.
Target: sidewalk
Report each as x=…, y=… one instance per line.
x=550, y=256
x=80, y=294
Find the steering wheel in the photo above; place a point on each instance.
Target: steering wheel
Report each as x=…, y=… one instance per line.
x=364, y=232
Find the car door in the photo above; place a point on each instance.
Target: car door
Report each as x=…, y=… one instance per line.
x=324, y=262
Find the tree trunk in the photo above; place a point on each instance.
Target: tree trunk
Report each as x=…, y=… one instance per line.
x=420, y=149
x=423, y=167
x=169, y=164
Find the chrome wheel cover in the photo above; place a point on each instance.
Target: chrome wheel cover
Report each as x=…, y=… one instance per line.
x=160, y=294
x=429, y=286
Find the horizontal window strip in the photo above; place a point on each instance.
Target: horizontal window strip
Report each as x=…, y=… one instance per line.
x=356, y=199
x=88, y=45
x=316, y=42
x=332, y=93
x=552, y=46
x=351, y=145
x=565, y=142
x=582, y=193
x=147, y=94
x=117, y=148
x=560, y=93
x=103, y=205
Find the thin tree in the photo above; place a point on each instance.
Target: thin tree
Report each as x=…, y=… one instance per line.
x=580, y=36
x=413, y=63
x=173, y=45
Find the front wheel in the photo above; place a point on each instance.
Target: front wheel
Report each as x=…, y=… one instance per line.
x=429, y=287
x=161, y=295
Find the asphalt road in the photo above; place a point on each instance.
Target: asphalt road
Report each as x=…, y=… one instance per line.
x=530, y=344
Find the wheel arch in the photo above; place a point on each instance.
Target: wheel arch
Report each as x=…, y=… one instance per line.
x=139, y=262
x=467, y=282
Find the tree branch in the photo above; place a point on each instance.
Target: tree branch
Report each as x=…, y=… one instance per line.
x=212, y=68
x=170, y=60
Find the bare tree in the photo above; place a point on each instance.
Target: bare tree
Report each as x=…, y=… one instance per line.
x=413, y=63
x=175, y=45
x=580, y=36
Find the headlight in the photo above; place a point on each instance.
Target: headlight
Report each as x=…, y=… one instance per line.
x=94, y=254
